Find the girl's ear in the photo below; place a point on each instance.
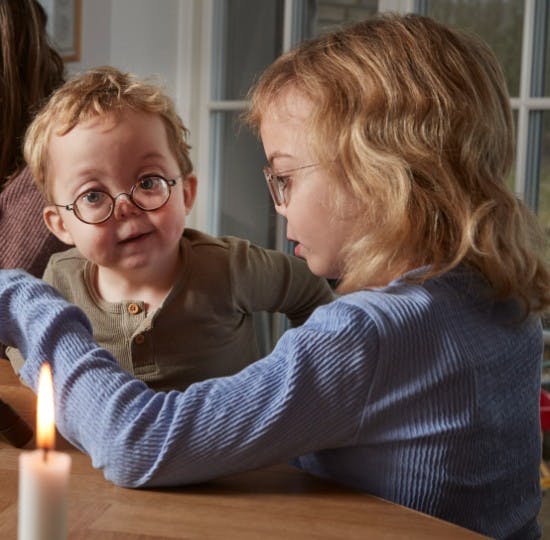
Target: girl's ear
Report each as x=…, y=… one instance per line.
x=189, y=192
x=56, y=225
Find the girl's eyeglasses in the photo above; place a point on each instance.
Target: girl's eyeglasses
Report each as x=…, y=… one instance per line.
x=278, y=183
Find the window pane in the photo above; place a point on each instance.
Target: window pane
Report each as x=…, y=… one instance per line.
x=547, y=55
x=245, y=205
x=498, y=22
x=330, y=14
x=544, y=205
x=544, y=186
x=250, y=38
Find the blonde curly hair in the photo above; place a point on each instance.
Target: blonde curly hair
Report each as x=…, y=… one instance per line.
x=98, y=92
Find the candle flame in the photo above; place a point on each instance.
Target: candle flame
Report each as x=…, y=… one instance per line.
x=45, y=417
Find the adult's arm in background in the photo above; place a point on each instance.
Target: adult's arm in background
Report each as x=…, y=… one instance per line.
x=26, y=242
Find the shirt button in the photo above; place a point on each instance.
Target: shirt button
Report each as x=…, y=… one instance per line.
x=133, y=309
x=139, y=339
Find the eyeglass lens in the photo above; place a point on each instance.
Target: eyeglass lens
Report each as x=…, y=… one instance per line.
x=277, y=186
x=278, y=183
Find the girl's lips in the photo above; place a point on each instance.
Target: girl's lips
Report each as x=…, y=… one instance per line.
x=298, y=248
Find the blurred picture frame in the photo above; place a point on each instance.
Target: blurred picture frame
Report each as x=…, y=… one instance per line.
x=64, y=26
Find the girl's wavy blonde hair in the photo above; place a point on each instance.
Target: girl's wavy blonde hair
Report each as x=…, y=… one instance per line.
x=414, y=118
x=98, y=92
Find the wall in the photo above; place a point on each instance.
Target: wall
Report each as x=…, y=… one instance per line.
x=95, y=35
x=135, y=35
x=150, y=39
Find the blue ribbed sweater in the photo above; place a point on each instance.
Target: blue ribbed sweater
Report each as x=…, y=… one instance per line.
x=423, y=395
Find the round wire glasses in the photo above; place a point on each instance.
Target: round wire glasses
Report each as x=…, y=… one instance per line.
x=96, y=206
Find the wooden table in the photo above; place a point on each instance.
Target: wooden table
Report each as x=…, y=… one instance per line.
x=275, y=502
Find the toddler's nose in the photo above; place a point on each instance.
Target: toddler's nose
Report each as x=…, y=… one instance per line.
x=124, y=207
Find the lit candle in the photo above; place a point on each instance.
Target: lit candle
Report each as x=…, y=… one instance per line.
x=43, y=474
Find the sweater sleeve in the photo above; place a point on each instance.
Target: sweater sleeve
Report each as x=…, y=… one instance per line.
x=297, y=400
x=13, y=354
x=26, y=242
x=268, y=280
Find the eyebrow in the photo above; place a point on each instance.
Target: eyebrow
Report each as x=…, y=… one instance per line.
x=278, y=155
x=153, y=154
x=82, y=176
x=95, y=171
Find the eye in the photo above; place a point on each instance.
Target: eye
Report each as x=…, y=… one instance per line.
x=282, y=182
x=92, y=198
x=151, y=183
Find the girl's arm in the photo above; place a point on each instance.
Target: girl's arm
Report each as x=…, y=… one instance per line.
x=307, y=395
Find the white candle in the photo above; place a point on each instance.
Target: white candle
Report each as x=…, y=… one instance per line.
x=43, y=475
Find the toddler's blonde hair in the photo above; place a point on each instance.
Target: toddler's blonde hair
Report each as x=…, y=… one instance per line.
x=98, y=92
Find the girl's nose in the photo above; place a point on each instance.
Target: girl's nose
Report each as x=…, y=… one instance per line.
x=124, y=207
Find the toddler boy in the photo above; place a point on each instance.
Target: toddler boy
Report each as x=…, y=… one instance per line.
x=173, y=305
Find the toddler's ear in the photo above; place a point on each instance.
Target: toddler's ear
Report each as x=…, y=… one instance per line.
x=56, y=225
x=189, y=192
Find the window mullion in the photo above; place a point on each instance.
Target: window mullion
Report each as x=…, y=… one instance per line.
x=535, y=119
x=524, y=94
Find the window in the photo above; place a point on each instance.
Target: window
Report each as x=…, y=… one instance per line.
x=244, y=36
